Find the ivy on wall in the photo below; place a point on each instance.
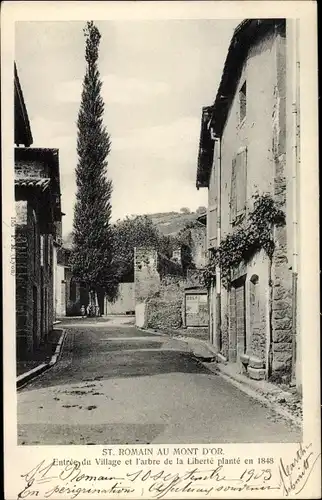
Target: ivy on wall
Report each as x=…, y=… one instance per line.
x=254, y=234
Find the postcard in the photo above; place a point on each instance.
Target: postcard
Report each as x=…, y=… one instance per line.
x=161, y=256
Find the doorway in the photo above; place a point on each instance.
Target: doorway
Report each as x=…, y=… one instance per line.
x=237, y=313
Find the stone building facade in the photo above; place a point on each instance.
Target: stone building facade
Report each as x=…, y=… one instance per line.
x=246, y=146
x=77, y=294
x=71, y=294
x=151, y=276
x=60, y=286
x=166, y=295
x=38, y=228
x=37, y=234
x=198, y=244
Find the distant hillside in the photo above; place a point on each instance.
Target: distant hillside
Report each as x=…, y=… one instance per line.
x=168, y=223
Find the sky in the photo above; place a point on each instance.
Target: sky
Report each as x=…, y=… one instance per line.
x=157, y=75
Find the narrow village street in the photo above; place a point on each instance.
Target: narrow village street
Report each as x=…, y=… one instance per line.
x=116, y=384
x=160, y=275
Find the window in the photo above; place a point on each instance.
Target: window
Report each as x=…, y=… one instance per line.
x=242, y=102
x=238, y=186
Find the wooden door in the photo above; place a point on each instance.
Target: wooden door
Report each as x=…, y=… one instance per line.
x=237, y=321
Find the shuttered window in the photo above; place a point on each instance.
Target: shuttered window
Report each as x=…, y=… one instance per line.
x=212, y=226
x=238, y=185
x=241, y=171
x=212, y=211
x=233, y=194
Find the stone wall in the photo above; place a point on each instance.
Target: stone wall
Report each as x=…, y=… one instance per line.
x=146, y=276
x=224, y=303
x=30, y=169
x=23, y=298
x=60, y=296
x=160, y=287
x=47, y=283
x=158, y=290
x=34, y=279
x=124, y=303
x=194, y=278
x=36, y=214
x=198, y=246
x=28, y=164
x=164, y=309
x=28, y=280
x=281, y=270
x=60, y=282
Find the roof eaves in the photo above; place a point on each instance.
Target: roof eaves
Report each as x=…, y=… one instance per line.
x=206, y=149
x=245, y=35
x=36, y=183
x=202, y=218
x=21, y=102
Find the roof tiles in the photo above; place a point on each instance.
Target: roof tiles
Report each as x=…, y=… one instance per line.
x=40, y=183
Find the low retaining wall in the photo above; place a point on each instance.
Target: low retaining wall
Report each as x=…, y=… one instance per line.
x=163, y=309
x=160, y=290
x=163, y=314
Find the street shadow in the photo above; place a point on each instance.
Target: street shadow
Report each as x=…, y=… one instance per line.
x=86, y=434
x=104, y=365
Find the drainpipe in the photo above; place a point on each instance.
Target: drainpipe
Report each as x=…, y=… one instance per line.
x=269, y=368
x=218, y=277
x=211, y=315
x=295, y=152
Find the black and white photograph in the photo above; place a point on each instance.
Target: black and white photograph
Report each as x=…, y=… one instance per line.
x=157, y=246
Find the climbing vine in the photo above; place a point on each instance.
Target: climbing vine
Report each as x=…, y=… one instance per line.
x=254, y=234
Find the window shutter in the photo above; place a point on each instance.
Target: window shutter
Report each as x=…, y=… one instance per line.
x=212, y=226
x=233, y=199
x=212, y=212
x=241, y=169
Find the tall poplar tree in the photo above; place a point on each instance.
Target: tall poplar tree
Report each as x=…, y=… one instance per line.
x=92, y=247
